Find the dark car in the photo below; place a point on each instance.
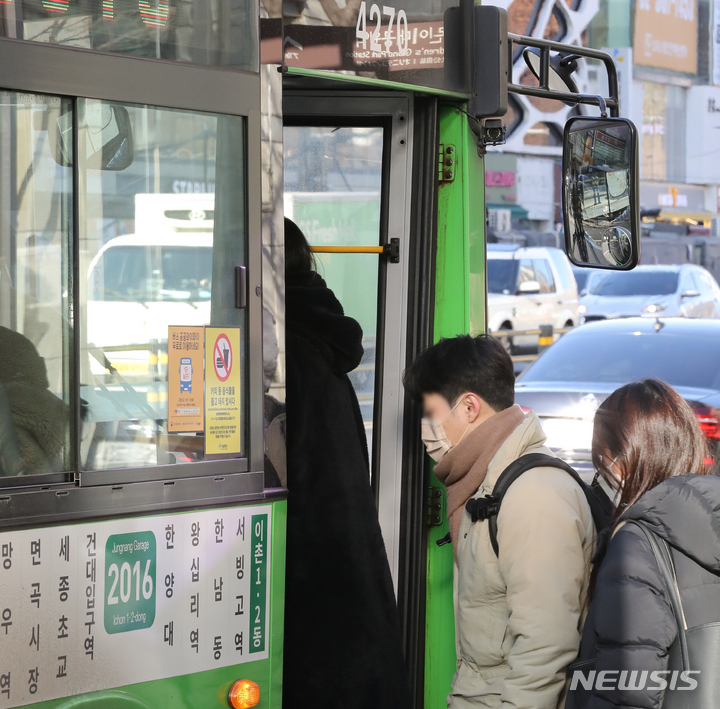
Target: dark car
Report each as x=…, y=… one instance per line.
x=582, y=277
x=572, y=378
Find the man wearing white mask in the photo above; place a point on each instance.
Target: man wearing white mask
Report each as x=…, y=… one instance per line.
x=518, y=613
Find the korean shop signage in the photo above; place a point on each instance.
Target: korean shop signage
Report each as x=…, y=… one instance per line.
x=94, y=606
x=666, y=35
x=222, y=391
x=185, y=379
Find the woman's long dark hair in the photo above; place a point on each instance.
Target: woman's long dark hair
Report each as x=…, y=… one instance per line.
x=653, y=433
x=298, y=252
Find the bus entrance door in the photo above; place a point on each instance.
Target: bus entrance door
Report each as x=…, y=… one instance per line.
x=347, y=186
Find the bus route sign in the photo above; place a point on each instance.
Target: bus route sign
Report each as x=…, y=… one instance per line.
x=192, y=587
x=129, y=582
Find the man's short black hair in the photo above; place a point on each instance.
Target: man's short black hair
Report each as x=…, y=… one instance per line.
x=460, y=364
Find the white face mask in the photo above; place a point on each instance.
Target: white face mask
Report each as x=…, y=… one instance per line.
x=433, y=435
x=612, y=491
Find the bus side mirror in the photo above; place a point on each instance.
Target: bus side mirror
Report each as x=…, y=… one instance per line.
x=601, y=205
x=106, y=131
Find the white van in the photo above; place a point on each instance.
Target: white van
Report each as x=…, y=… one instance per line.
x=529, y=287
x=161, y=275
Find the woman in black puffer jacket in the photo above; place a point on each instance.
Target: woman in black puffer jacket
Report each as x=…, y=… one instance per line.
x=652, y=456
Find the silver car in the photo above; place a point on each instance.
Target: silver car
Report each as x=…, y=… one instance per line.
x=686, y=291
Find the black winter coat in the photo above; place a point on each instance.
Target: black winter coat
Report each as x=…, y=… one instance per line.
x=342, y=634
x=630, y=624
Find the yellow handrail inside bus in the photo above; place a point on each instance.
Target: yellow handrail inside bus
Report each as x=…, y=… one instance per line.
x=347, y=249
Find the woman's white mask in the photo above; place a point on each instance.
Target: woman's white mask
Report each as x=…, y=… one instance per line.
x=434, y=437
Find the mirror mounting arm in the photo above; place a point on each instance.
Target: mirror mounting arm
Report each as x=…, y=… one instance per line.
x=602, y=107
x=569, y=53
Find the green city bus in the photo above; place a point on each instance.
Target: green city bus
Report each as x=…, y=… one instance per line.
x=148, y=155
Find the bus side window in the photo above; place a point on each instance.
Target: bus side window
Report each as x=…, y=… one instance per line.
x=35, y=230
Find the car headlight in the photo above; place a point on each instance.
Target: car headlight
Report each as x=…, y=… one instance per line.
x=655, y=308
x=582, y=309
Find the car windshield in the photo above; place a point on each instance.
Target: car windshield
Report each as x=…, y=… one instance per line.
x=595, y=355
x=502, y=275
x=631, y=283
x=152, y=273
x=581, y=277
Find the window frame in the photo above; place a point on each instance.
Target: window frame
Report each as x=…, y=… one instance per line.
x=702, y=283
x=688, y=282
x=518, y=280
x=552, y=286
x=32, y=67
x=394, y=111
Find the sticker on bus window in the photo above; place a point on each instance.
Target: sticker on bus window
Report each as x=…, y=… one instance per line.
x=222, y=391
x=185, y=379
x=108, y=603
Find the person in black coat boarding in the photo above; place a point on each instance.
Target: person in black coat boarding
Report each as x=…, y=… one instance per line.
x=342, y=633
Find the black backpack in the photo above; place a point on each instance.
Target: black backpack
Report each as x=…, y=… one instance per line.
x=488, y=507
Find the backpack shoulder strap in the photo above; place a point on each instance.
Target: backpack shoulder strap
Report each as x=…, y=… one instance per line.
x=488, y=507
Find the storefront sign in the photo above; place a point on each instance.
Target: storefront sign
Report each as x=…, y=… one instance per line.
x=185, y=379
x=536, y=187
x=679, y=197
x=222, y=391
x=716, y=42
x=666, y=35
x=702, y=120
x=92, y=606
x=499, y=178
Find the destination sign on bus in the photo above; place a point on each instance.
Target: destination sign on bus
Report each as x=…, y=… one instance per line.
x=169, y=595
x=368, y=38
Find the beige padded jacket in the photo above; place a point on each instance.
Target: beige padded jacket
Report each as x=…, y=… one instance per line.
x=518, y=616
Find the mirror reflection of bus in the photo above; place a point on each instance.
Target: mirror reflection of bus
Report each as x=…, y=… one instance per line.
x=600, y=192
x=106, y=129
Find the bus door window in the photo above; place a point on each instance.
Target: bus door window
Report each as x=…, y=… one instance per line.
x=155, y=256
x=333, y=182
x=35, y=229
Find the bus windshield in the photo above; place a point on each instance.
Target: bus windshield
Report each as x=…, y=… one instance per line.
x=147, y=274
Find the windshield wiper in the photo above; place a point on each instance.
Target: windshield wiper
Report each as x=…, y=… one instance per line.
x=125, y=298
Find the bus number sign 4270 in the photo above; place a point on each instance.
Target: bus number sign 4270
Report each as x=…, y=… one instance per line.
x=397, y=29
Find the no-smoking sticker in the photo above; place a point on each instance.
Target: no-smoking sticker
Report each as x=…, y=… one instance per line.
x=222, y=391
x=222, y=357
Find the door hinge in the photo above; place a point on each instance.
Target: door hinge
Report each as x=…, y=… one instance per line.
x=446, y=163
x=436, y=506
